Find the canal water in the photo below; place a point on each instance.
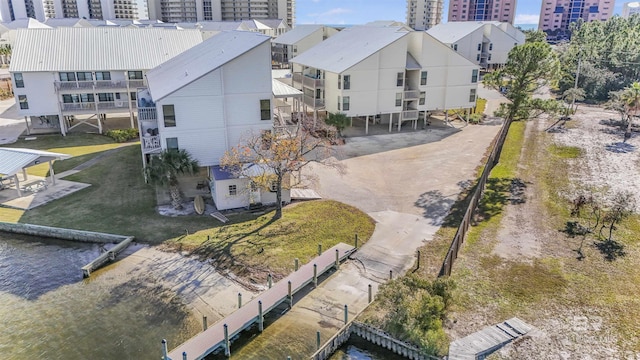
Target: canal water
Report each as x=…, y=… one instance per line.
x=48, y=311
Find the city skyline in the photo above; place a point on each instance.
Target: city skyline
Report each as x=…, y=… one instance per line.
x=350, y=11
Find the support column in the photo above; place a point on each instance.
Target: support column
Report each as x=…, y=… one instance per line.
x=164, y=350
x=51, y=173
x=350, y=121
x=227, y=344
x=399, y=121
x=99, y=123
x=17, y=182
x=390, y=121
x=26, y=122
x=366, y=126
x=24, y=174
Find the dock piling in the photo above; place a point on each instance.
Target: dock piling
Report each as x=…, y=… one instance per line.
x=319, y=249
x=260, y=316
x=390, y=274
x=270, y=280
x=297, y=263
x=346, y=313
x=337, y=265
x=184, y=355
x=227, y=344
x=290, y=295
x=315, y=275
x=318, y=340
x=356, y=241
x=370, y=294
x=164, y=350
x=239, y=300
x=204, y=322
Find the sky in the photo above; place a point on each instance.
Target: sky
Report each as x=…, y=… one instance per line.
x=351, y=12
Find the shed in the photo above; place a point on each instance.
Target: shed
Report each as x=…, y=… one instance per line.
x=14, y=160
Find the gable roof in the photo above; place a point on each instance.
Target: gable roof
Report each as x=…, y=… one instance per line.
x=296, y=34
x=28, y=23
x=200, y=60
x=99, y=48
x=349, y=47
x=451, y=32
x=274, y=23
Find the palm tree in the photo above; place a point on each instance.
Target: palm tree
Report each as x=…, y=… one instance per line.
x=631, y=100
x=165, y=168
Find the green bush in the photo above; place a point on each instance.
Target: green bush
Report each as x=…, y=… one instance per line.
x=415, y=311
x=122, y=135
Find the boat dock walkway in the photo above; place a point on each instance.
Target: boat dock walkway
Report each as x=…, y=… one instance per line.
x=218, y=335
x=488, y=340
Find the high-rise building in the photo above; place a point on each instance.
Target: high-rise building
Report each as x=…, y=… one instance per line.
x=221, y=10
x=482, y=10
x=557, y=15
x=424, y=14
x=89, y=9
x=630, y=8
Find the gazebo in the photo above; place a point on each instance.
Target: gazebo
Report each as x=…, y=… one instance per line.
x=15, y=160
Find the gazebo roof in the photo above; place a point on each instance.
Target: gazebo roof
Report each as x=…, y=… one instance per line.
x=13, y=160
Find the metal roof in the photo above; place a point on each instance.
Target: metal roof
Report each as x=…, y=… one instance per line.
x=412, y=63
x=451, y=32
x=349, y=47
x=28, y=23
x=296, y=34
x=281, y=89
x=99, y=48
x=200, y=60
x=13, y=160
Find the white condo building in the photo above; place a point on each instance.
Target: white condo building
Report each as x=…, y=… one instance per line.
x=67, y=76
x=486, y=44
x=630, y=8
x=205, y=101
x=385, y=74
x=424, y=14
x=298, y=40
x=41, y=10
x=221, y=10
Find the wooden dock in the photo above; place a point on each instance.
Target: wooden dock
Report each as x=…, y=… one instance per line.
x=488, y=340
x=215, y=337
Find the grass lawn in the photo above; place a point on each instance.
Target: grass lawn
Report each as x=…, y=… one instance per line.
x=120, y=202
x=262, y=244
x=83, y=147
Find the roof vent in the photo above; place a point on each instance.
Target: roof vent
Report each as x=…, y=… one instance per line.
x=186, y=73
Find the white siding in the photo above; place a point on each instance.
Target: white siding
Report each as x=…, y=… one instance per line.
x=502, y=44
x=40, y=92
x=224, y=201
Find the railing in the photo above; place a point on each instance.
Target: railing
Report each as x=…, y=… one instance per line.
x=147, y=113
x=97, y=84
x=78, y=106
x=97, y=106
x=308, y=81
x=411, y=94
x=310, y=101
x=150, y=143
x=458, y=239
x=410, y=115
x=108, y=105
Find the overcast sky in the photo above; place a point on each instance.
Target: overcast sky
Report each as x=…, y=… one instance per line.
x=353, y=12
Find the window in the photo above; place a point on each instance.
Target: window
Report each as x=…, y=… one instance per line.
x=265, y=109
x=474, y=76
x=84, y=76
x=400, y=79
x=423, y=97
x=339, y=103
x=135, y=75
x=19, y=80
x=479, y=47
x=169, y=113
x=103, y=75
x=478, y=57
x=347, y=82
x=172, y=143
x=339, y=81
x=455, y=47
x=423, y=78
x=233, y=190
x=67, y=76
x=398, y=99
x=472, y=95
x=345, y=103
x=133, y=95
x=273, y=186
x=490, y=46
x=105, y=97
x=24, y=104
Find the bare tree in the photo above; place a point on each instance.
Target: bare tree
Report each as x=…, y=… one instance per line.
x=279, y=155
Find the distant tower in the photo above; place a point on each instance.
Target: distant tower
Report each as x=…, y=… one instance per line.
x=424, y=14
x=557, y=15
x=630, y=8
x=482, y=10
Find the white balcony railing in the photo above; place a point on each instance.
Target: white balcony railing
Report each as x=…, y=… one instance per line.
x=410, y=115
x=98, y=84
x=411, y=95
x=147, y=113
x=308, y=81
x=150, y=143
x=100, y=106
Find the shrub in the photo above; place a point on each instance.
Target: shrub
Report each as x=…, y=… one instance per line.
x=122, y=135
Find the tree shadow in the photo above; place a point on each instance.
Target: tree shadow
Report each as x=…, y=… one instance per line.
x=499, y=192
x=611, y=249
x=620, y=148
x=435, y=206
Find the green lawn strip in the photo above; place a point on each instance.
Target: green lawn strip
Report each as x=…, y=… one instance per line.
x=481, y=104
x=262, y=244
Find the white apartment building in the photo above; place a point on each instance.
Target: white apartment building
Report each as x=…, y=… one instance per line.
x=205, y=101
x=41, y=10
x=297, y=41
x=630, y=8
x=424, y=14
x=221, y=10
x=386, y=74
x=66, y=73
x=485, y=44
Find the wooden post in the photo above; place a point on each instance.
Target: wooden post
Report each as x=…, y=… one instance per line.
x=318, y=340
x=164, y=350
x=370, y=293
x=204, y=322
x=346, y=313
x=269, y=280
x=260, y=317
x=290, y=295
x=297, y=263
x=315, y=275
x=227, y=344
x=337, y=265
x=239, y=300
x=319, y=249
x=418, y=262
x=390, y=274
x=356, y=241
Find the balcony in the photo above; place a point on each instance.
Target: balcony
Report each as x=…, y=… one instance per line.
x=150, y=144
x=98, y=107
x=97, y=84
x=412, y=95
x=308, y=81
x=147, y=113
x=410, y=115
x=314, y=103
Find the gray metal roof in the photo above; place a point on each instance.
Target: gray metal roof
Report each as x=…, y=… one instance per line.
x=13, y=160
x=296, y=34
x=451, y=32
x=349, y=47
x=28, y=23
x=99, y=48
x=281, y=89
x=200, y=60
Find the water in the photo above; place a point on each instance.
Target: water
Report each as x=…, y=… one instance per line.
x=49, y=312
x=359, y=349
